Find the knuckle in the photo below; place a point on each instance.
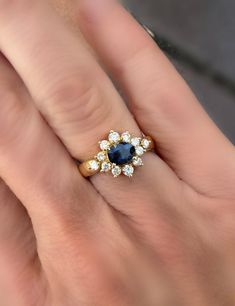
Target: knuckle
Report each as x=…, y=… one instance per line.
x=77, y=104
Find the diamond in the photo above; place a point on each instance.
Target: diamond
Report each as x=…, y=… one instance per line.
x=135, y=141
x=121, y=154
x=114, y=137
x=105, y=167
x=94, y=165
x=137, y=161
x=101, y=156
x=126, y=137
x=139, y=150
x=145, y=143
x=116, y=171
x=104, y=145
x=128, y=170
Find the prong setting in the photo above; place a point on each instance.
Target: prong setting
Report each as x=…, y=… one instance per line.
x=104, y=144
x=126, y=137
x=101, y=156
x=116, y=170
x=135, y=141
x=145, y=143
x=114, y=137
x=137, y=161
x=106, y=166
x=128, y=170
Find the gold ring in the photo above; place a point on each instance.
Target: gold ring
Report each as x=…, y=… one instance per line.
x=120, y=154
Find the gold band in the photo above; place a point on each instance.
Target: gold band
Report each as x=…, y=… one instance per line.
x=86, y=169
x=117, y=149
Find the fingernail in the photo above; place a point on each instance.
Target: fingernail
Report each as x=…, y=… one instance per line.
x=96, y=9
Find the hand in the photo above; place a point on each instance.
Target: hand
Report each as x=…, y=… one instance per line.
x=165, y=237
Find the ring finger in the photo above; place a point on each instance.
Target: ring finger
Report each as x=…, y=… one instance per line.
x=71, y=90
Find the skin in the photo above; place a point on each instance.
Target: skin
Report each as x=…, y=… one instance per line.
x=165, y=237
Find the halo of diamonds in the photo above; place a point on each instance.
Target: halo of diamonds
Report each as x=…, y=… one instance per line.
x=101, y=160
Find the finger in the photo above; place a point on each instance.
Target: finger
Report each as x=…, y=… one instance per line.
x=18, y=256
x=70, y=89
x=160, y=100
x=38, y=168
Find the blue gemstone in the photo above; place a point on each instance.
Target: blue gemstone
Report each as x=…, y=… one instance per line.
x=122, y=153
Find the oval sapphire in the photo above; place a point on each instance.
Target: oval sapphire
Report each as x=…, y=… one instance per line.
x=122, y=153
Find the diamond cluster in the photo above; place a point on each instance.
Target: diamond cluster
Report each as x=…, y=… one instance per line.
x=117, y=149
